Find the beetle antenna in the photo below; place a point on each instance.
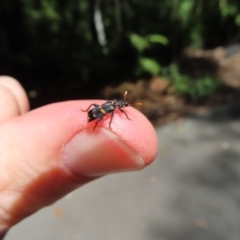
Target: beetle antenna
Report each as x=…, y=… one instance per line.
x=125, y=95
x=136, y=104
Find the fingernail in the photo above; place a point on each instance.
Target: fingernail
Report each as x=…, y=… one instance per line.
x=100, y=152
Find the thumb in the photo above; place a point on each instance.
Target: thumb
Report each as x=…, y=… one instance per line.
x=50, y=151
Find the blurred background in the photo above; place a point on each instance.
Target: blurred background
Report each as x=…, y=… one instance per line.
x=175, y=56
x=181, y=59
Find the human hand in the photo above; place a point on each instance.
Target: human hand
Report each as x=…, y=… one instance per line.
x=50, y=151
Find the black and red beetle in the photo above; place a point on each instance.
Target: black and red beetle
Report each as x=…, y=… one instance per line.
x=99, y=111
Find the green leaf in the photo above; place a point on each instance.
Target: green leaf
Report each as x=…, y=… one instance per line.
x=157, y=38
x=138, y=42
x=150, y=65
x=237, y=19
x=185, y=10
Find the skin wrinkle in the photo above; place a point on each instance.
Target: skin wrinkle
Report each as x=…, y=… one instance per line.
x=26, y=172
x=16, y=169
x=122, y=139
x=133, y=144
x=5, y=212
x=8, y=190
x=11, y=198
x=6, y=199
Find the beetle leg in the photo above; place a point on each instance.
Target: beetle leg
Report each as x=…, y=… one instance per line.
x=111, y=120
x=125, y=114
x=98, y=120
x=95, y=105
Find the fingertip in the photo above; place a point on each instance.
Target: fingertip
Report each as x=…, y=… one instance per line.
x=138, y=133
x=56, y=150
x=17, y=91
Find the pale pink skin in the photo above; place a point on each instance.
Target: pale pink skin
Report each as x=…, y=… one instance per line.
x=32, y=173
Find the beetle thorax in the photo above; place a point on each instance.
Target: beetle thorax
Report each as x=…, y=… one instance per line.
x=120, y=103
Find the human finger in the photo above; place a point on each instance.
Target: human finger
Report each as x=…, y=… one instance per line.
x=13, y=100
x=52, y=150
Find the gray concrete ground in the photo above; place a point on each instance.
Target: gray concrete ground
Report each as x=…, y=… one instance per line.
x=191, y=192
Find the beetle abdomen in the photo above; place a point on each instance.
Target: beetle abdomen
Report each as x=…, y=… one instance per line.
x=94, y=114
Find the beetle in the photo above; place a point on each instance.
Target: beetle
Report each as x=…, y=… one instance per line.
x=99, y=111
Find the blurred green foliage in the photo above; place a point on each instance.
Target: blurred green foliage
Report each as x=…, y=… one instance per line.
x=53, y=44
x=142, y=43
x=145, y=64
x=193, y=89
